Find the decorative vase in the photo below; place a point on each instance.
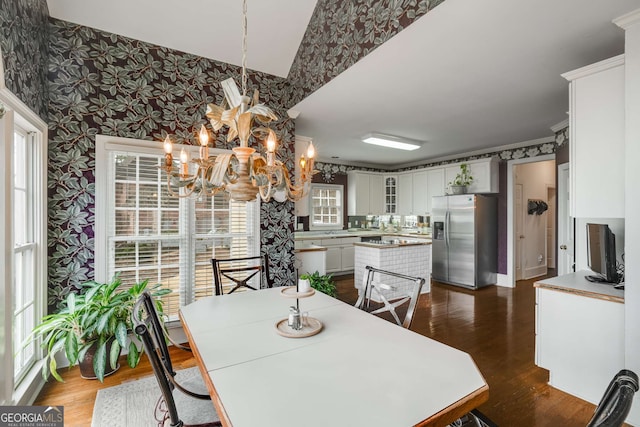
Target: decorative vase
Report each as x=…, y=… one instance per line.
x=458, y=189
x=304, y=285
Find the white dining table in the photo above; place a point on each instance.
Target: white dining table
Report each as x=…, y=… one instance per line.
x=359, y=370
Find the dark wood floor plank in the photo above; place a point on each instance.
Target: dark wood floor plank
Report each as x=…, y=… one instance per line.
x=494, y=325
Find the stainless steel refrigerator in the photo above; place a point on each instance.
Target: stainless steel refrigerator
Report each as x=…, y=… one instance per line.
x=465, y=240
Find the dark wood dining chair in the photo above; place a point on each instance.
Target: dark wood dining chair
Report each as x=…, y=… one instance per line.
x=191, y=405
x=239, y=272
x=385, y=291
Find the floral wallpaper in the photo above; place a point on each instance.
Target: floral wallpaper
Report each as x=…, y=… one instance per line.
x=23, y=42
x=342, y=32
x=102, y=83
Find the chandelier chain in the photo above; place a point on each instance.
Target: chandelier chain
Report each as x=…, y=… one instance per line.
x=244, y=47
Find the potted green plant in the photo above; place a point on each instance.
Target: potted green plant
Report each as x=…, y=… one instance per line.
x=322, y=283
x=462, y=180
x=92, y=327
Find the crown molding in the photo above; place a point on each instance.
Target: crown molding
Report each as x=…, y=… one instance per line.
x=594, y=68
x=559, y=126
x=628, y=19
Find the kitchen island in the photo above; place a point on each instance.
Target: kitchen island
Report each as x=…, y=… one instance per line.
x=404, y=256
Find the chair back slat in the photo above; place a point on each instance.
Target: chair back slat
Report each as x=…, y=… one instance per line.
x=230, y=268
x=400, y=290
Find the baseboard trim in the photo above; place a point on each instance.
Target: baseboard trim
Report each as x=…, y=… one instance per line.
x=503, y=280
x=530, y=273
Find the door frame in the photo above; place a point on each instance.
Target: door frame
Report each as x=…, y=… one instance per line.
x=511, y=263
x=518, y=256
x=565, y=223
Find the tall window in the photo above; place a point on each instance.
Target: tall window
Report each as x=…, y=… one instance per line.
x=25, y=246
x=326, y=206
x=148, y=235
x=23, y=218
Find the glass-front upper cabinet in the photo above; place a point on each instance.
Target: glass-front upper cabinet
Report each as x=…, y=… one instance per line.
x=390, y=194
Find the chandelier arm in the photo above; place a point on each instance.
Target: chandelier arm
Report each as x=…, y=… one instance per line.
x=174, y=194
x=266, y=197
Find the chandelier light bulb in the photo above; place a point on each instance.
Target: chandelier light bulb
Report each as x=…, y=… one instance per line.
x=204, y=136
x=311, y=151
x=271, y=143
x=303, y=161
x=168, y=147
x=184, y=159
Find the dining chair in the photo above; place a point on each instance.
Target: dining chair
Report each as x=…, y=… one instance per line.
x=616, y=402
x=192, y=406
x=239, y=272
x=392, y=290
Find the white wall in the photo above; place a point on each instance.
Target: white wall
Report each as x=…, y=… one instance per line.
x=535, y=179
x=631, y=24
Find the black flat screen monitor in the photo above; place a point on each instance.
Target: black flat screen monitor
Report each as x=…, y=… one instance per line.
x=601, y=253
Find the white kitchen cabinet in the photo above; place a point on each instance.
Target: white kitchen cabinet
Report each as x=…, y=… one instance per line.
x=405, y=194
x=334, y=259
x=597, y=139
x=365, y=193
x=420, y=192
x=435, y=185
x=340, y=253
x=348, y=257
x=485, y=173
x=390, y=194
x=412, y=193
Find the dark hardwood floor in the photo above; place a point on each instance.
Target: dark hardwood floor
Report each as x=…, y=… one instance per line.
x=494, y=325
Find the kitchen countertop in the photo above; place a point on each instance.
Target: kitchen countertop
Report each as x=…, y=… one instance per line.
x=311, y=235
x=311, y=249
x=575, y=283
x=394, y=243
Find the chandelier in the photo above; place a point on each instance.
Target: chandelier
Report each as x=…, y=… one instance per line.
x=244, y=173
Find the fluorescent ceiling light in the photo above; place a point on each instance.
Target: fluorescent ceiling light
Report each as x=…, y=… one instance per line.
x=391, y=141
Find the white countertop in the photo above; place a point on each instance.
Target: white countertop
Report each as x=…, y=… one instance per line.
x=399, y=244
x=576, y=283
x=310, y=235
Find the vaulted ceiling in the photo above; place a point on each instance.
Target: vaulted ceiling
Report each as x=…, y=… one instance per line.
x=466, y=76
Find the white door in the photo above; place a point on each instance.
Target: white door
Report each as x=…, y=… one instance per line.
x=519, y=229
x=551, y=227
x=565, y=223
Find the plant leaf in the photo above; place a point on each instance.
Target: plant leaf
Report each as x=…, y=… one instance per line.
x=134, y=355
x=121, y=334
x=100, y=360
x=71, y=302
x=115, y=353
x=53, y=368
x=71, y=348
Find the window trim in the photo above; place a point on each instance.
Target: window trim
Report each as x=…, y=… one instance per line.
x=19, y=113
x=340, y=224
